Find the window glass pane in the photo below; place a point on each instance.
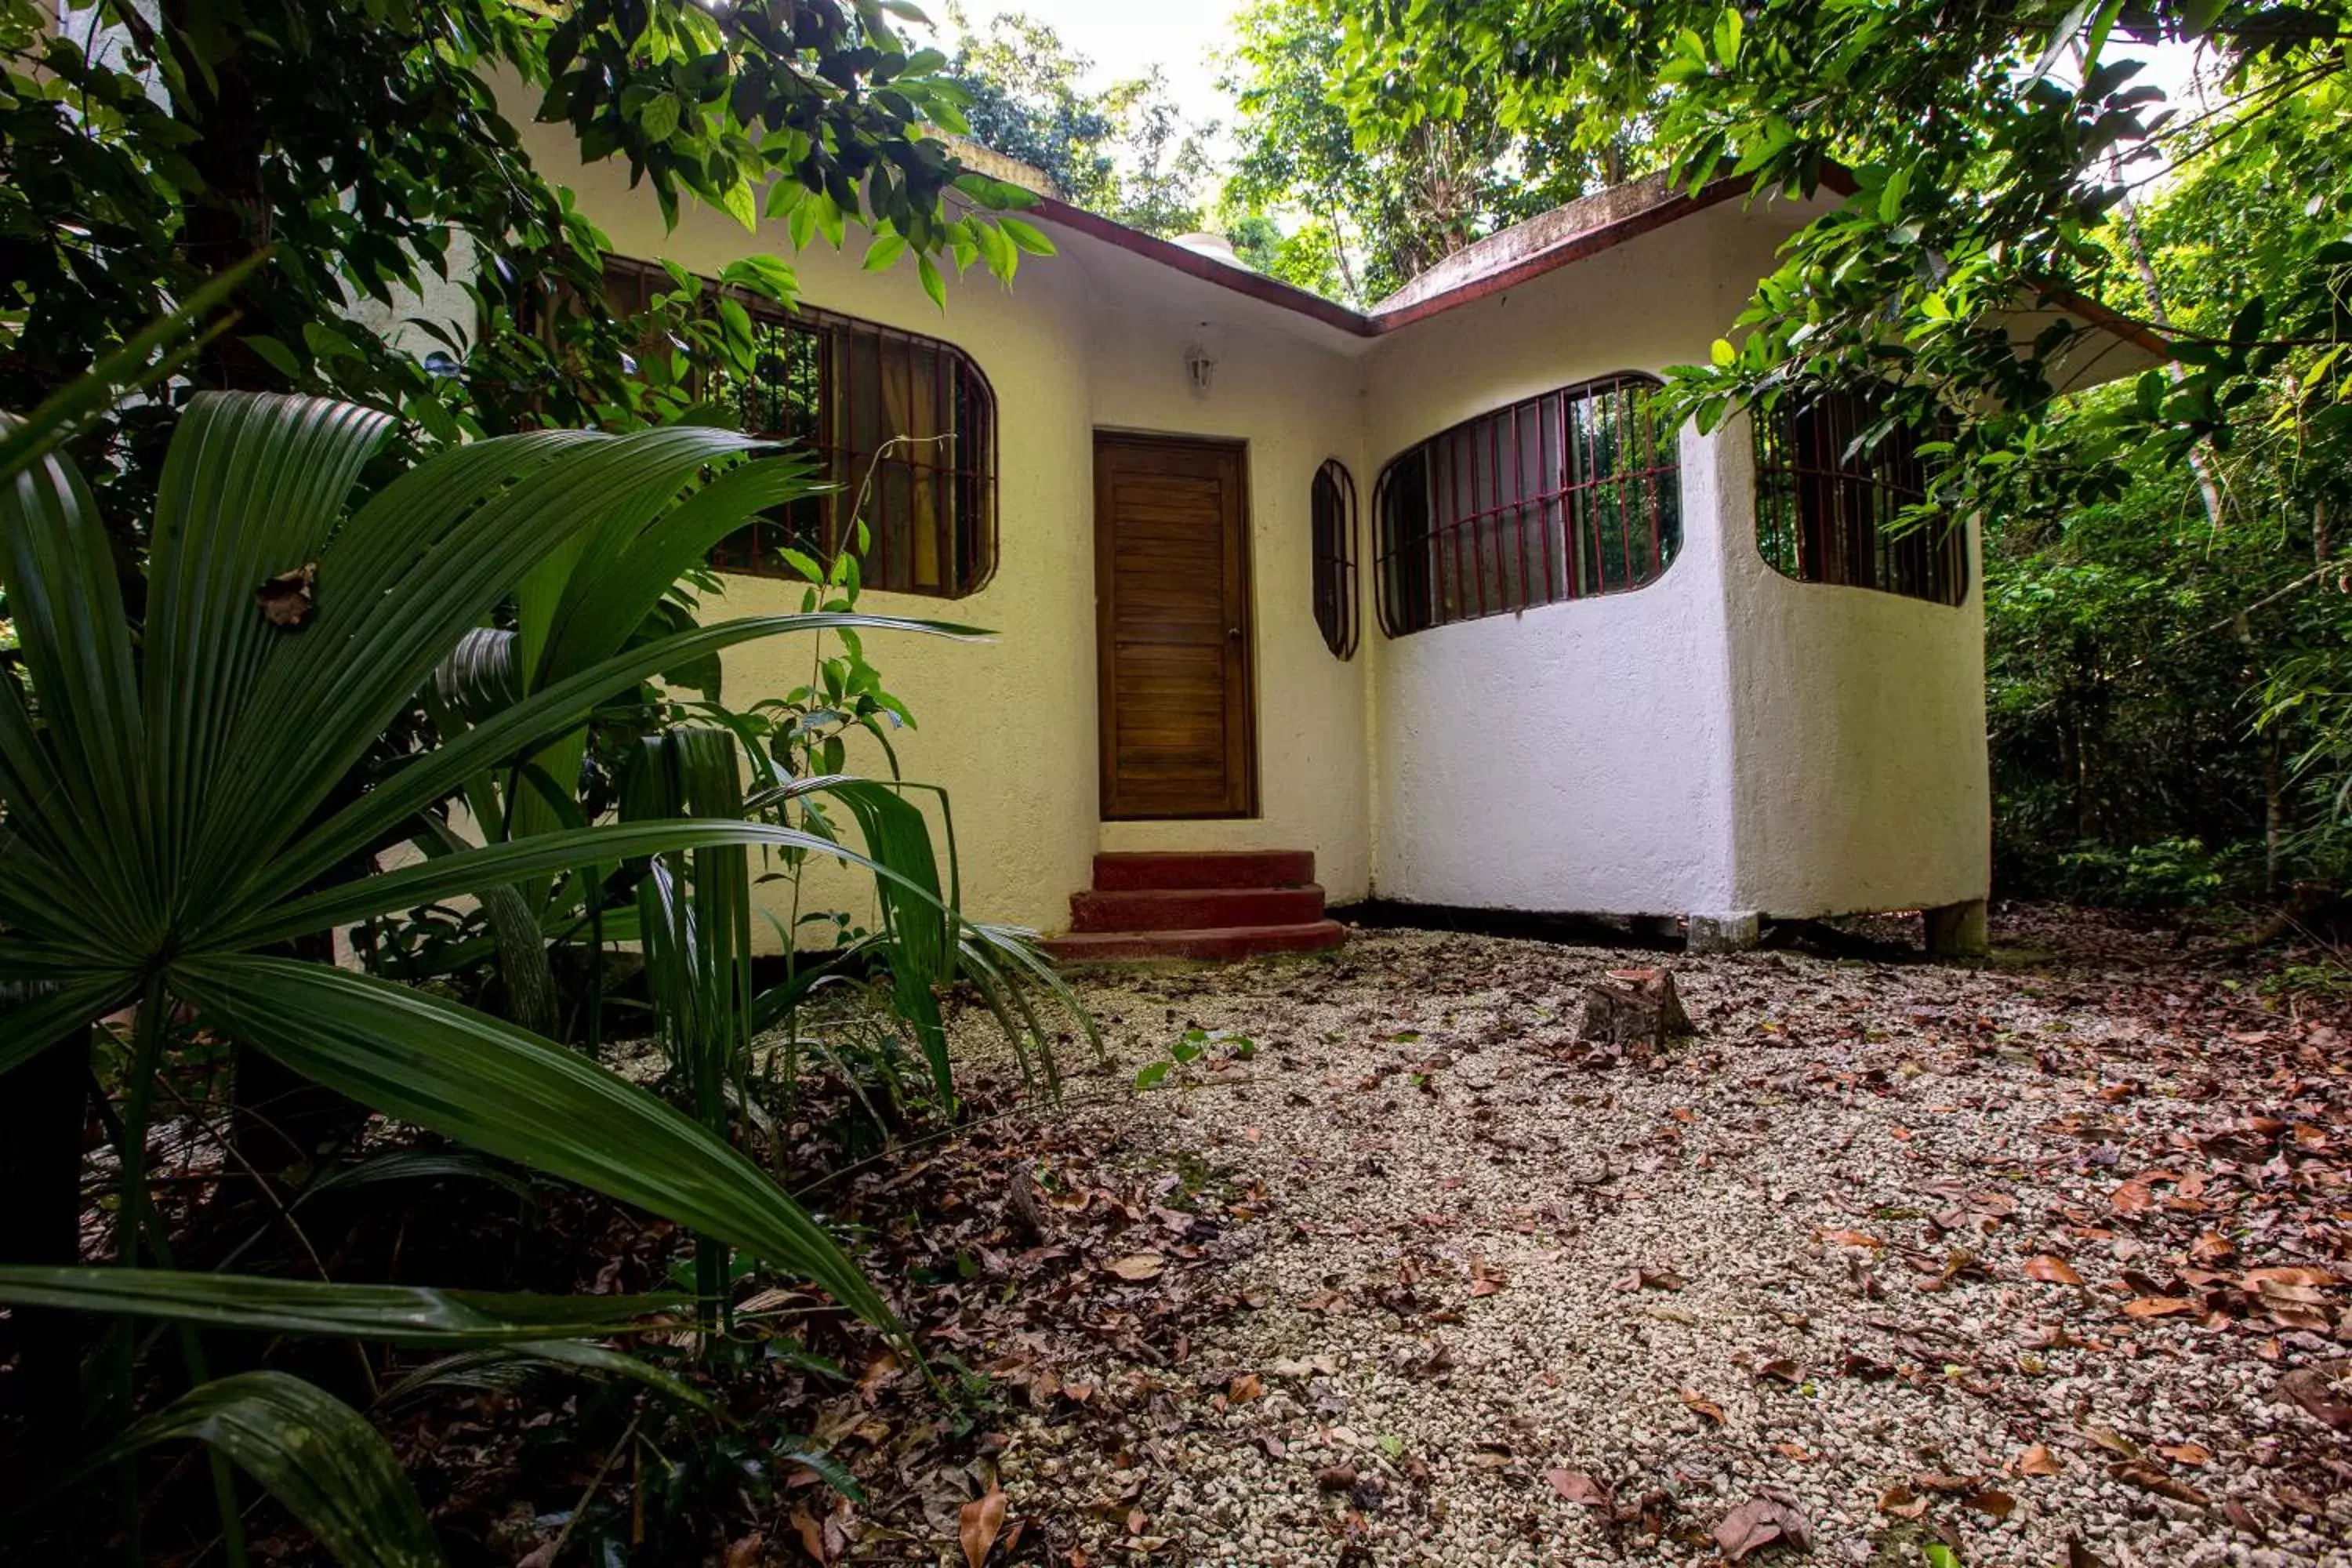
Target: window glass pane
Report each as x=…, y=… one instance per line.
x=1570, y=494
x=1831, y=495
x=903, y=424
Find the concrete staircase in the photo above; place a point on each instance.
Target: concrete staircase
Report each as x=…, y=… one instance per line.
x=1210, y=905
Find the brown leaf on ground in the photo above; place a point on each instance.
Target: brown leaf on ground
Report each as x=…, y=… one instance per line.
x=1899, y=1501
x=2186, y=1453
x=1852, y=1238
x=1138, y=1267
x=978, y=1528
x=1781, y=1369
x=2051, y=1270
x=2212, y=1247
x=1245, y=1388
x=1759, y=1522
x=2081, y=1556
x=2134, y=1197
x=1999, y=1504
x=2038, y=1460
x=812, y=1535
x=2144, y=1475
x=882, y=1369
x=1649, y=1276
x=1579, y=1487
x=2312, y=1390
x=2159, y=1307
x=1338, y=1479
x=1705, y=1406
x=745, y=1553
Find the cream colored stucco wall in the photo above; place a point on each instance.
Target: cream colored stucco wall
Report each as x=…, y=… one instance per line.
x=1089, y=338
x=1722, y=741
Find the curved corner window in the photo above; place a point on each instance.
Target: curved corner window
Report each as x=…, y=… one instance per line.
x=1336, y=601
x=903, y=424
x=1829, y=505
x=1565, y=495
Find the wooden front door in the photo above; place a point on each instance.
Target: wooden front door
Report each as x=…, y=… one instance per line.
x=1172, y=634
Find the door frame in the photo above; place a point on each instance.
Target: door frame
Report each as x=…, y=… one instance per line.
x=1245, y=690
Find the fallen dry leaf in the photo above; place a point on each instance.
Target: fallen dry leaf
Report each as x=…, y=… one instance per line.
x=1245, y=1388
x=2311, y=1389
x=1999, y=1504
x=2159, y=1307
x=2186, y=1453
x=2038, y=1460
x=2051, y=1270
x=2148, y=1477
x=1899, y=1501
x=1705, y=1406
x=745, y=1553
x=1579, y=1487
x=285, y=599
x=978, y=1528
x=1136, y=1267
x=1762, y=1521
x=1852, y=1238
x=812, y=1535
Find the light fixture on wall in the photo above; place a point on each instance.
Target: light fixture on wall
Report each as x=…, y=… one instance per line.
x=1200, y=367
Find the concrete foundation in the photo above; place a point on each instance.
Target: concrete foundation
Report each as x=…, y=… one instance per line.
x=1726, y=933
x=1958, y=931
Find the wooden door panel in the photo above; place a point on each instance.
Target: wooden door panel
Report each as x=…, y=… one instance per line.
x=1171, y=586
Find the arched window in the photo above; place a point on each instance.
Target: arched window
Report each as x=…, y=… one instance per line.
x=1336, y=597
x=1565, y=496
x=1826, y=505
x=905, y=422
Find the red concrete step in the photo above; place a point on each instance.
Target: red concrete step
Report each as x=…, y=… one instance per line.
x=1166, y=871
x=1211, y=945
x=1194, y=909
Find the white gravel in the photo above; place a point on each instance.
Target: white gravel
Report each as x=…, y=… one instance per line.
x=1417, y=1118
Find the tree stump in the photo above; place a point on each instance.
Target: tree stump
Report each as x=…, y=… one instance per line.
x=1634, y=1007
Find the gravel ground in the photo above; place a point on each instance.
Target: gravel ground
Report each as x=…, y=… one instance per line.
x=1509, y=1301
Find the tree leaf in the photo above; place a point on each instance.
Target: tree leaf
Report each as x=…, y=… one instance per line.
x=317, y=1456
x=429, y=1061
x=391, y=1314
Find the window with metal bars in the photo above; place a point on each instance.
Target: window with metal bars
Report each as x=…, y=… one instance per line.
x=905, y=424
x=1565, y=495
x=1828, y=508
x=1336, y=598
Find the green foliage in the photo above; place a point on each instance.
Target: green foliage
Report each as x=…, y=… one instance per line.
x=1989, y=145
x=1380, y=194
x=1191, y=1047
x=146, y=150
x=180, y=807
x=1127, y=152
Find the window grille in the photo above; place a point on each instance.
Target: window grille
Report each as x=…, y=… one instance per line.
x=1827, y=512
x=1337, y=600
x=1565, y=495
x=908, y=420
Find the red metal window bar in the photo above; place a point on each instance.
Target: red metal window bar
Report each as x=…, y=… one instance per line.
x=908, y=421
x=1565, y=496
x=1830, y=511
x=1336, y=598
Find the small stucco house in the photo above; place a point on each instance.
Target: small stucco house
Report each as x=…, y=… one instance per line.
x=1294, y=604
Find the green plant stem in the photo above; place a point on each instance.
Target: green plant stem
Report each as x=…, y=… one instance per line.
x=146, y=1057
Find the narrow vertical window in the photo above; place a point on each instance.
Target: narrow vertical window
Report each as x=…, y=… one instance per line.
x=1830, y=504
x=1336, y=594
x=1566, y=496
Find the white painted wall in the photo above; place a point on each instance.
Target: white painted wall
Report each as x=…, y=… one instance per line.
x=1858, y=719
x=1579, y=757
